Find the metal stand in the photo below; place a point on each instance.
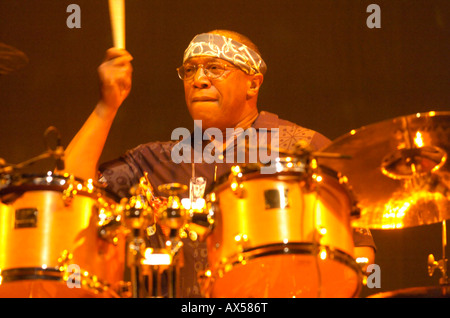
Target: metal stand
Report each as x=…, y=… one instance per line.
x=136, y=247
x=441, y=264
x=155, y=259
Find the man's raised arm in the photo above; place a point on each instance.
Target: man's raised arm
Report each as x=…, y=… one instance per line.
x=84, y=151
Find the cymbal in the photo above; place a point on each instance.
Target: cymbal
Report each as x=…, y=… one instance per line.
x=399, y=170
x=11, y=59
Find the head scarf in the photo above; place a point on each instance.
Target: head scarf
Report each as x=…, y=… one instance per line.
x=215, y=45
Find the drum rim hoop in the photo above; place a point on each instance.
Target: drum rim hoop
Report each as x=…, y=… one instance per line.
x=300, y=248
x=27, y=182
x=47, y=274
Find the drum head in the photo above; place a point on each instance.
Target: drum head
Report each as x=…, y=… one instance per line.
x=299, y=274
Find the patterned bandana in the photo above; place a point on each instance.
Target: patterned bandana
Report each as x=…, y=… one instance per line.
x=214, y=45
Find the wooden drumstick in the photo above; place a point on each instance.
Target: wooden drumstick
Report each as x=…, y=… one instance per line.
x=117, y=17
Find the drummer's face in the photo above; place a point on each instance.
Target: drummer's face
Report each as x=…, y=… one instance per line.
x=219, y=102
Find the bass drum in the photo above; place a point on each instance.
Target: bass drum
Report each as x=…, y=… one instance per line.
x=442, y=291
x=285, y=234
x=49, y=239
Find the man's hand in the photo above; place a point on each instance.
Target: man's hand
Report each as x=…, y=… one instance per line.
x=115, y=77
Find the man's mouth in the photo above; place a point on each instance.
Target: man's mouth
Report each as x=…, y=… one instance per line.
x=204, y=99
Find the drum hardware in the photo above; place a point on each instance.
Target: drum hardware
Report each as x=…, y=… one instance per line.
x=441, y=264
x=172, y=215
x=440, y=291
x=399, y=170
x=168, y=259
x=185, y=219
x=236, y=184
x=406, y=163
x=138, y=217
x=154, y=267
x=109, y=226
x=57, y=154
x=363, y=263
x=10, y=168
x=199, y=220
x=71, y=190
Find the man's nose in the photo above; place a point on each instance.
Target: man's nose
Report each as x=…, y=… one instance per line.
x=200, y=79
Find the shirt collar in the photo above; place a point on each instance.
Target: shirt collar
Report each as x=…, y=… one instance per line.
x=266, y=120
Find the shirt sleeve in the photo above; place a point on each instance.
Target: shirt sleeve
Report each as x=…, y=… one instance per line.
x=319, y=141
x=363, y=237
x=118, y=177
x=153, y=158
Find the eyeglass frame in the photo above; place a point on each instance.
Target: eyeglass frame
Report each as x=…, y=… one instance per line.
x=202, y=65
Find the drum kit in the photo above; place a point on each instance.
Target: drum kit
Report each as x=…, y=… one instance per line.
x=286, y=234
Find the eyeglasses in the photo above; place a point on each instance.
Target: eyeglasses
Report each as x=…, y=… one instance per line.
x=212, y=70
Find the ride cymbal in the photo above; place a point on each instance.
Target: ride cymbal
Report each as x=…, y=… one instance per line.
x=399, y=170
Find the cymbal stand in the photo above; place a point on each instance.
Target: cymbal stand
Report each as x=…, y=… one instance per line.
x=57, y=153
x=136, y=248
x=171, y=216
x=166, y=257
x=138, y=217
x=441, y=264
x=160, y=268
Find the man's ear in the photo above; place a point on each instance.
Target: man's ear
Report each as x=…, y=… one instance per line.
x=255, y=83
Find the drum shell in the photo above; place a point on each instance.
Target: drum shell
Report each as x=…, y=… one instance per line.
x=316, y=214
x=62, y=226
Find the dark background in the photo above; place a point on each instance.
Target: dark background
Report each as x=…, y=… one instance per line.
x=326, y=71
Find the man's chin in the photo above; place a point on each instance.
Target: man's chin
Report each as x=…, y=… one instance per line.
x=208, y=123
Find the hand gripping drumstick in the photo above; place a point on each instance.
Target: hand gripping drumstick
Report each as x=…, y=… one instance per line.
x=117, y=17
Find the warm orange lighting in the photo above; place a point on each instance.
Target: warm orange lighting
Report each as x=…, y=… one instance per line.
x=362, y=260
x=323, y=254
x=418, y=140
x=396, y=210
x=394, y=214
x=152, y=258
x=322, y=231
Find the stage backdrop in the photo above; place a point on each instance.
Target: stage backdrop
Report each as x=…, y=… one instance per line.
x=327, y=70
